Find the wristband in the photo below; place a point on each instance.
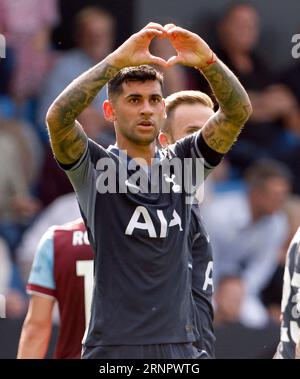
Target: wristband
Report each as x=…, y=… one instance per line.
x=212, y=60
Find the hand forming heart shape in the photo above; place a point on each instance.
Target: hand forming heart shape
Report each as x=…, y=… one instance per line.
x=191, y=50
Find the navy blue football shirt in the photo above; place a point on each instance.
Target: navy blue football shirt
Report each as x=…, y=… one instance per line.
x=142, y=293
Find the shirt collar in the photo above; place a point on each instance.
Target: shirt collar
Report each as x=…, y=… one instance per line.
x=114, y=149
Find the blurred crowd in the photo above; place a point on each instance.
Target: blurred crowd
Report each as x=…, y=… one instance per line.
x=251, y=205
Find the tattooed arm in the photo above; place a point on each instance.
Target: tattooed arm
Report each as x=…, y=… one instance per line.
x=67, y=137
x=222, y=129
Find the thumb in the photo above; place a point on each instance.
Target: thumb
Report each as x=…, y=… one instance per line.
x=173, y=60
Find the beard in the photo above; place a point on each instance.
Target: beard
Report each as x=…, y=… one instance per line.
x=139, y=137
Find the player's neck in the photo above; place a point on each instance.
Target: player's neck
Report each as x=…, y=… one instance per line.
x=138, y=152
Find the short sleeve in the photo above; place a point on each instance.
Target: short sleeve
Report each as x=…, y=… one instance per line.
x=41, y=278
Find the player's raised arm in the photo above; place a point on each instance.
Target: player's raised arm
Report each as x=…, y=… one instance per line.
x=222, y=129
x=67, y=137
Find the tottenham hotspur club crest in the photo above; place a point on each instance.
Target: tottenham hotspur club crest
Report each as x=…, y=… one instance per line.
x=176, y=187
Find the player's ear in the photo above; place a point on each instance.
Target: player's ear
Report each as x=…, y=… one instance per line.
x=108, y=111
x=163, y=140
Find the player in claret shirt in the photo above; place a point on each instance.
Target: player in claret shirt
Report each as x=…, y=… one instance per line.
x=62, y=272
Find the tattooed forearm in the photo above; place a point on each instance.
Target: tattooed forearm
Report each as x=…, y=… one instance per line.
x=230, y=94
x=81, y=92
x=221, y=131
x=68, y=140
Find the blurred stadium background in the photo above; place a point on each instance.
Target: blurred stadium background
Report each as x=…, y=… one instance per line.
x=47, y=45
